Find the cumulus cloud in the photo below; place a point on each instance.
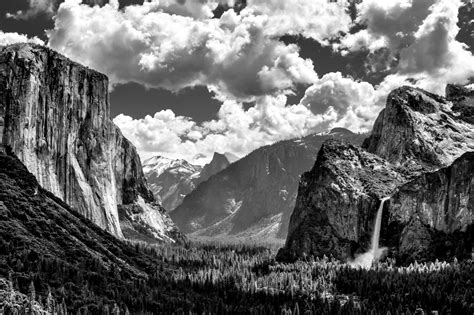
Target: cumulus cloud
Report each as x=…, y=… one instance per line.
x=235, y=130
x=199, y=9
x=392, y=23
x=419, y=37
x=13, y=38
x=436, y=58
x=317, y=19
x=232, y=55
x=333, y=101
x=174, y=44
x=356, y=104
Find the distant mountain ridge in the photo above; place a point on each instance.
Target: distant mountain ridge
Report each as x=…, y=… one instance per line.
x=253, y=197
x=172, y=179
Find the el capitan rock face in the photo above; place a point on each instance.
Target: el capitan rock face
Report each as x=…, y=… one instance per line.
x=56, y=120
x=253, y=197
x=419, y=155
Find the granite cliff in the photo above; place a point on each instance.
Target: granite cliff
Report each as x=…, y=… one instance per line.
x=253, y=197
x=420, y=155
x=54, y=115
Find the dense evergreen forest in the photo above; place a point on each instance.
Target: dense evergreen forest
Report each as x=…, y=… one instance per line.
x=221, y=279
x=53, y=260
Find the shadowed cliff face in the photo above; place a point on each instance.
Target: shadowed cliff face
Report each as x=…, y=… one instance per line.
x=35, y=220
x=253, y=197
x=56, y=120
x=417, y=155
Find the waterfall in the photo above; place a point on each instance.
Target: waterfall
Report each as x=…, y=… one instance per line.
x=365, y=260
x=378, y=222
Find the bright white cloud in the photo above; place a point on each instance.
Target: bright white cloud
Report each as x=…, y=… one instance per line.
x=235, y=130
x=316, y=19
x=13, y=38
x=435, y=57
x=420, y=35
x=333, y=101
x=356, y=104
x=175, y=44
x=232, y=55
x=389, y=24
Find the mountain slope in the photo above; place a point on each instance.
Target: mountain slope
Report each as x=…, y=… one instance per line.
x=418, y=155
x=254, y=196
x=34, y=219
x=56, y=118
x=171, y=180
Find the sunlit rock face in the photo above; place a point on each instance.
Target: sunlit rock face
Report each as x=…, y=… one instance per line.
x=418, y=129
x=171, y=180
x=56, y=120
x=419, y=155
x=253, y=197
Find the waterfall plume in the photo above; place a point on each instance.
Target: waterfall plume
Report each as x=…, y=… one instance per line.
x=366, y=259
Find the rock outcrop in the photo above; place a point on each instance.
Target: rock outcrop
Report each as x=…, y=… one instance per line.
x=419, y=154
x=56, y=120
x=217, y=164
x=253, y=197
x=420, y=130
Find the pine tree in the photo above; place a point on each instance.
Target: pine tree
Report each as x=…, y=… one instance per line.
x=116, y=309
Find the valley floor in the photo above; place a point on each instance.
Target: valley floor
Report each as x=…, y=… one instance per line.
x=224, y=278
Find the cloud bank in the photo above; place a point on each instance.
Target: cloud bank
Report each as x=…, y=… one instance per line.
x=174, y=44
x=9, y=38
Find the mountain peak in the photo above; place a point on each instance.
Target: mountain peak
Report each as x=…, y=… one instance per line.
x=219, y=157
x=218, y=163
x=420, y=128
x=341, y=131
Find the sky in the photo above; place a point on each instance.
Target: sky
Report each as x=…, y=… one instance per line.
x=192, y=77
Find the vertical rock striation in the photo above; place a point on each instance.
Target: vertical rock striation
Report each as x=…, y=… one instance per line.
x=56, y=120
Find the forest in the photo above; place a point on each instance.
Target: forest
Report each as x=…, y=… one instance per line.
x=55, y=261
x=229, y=279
